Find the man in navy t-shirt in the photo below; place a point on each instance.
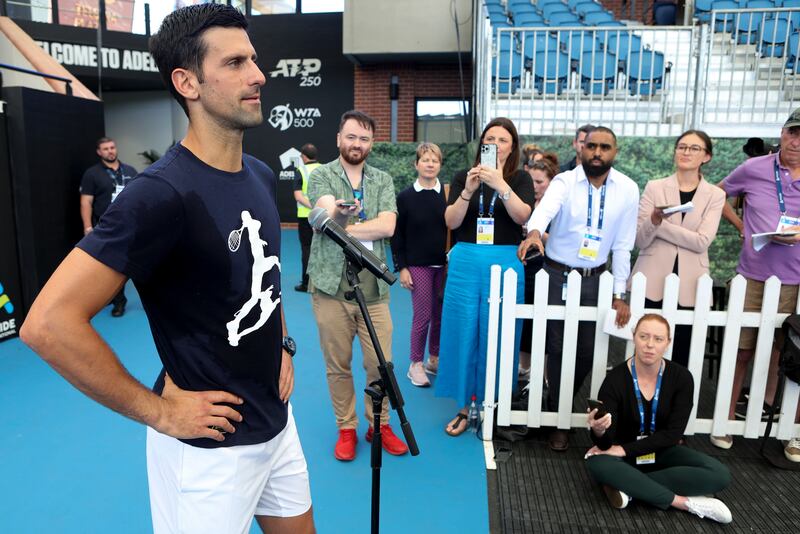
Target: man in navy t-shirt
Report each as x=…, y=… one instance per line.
x=199, y=234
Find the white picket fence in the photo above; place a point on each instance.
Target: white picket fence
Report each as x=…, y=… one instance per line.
x=701, y=318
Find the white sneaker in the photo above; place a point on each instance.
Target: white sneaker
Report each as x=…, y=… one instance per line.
x=432, y=365
x=708, y=507
x=721, y=442
x=792, y=450
x=616, y=498
x=416, y=372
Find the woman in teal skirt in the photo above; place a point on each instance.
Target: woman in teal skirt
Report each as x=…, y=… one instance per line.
x=486, y=206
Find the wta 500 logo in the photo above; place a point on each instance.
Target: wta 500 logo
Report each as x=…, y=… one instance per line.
x=285, y=117
x=304, y=68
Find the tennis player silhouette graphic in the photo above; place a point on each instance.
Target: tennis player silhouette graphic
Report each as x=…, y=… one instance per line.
x=261, y=264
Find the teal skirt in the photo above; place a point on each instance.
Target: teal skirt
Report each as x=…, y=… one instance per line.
x=465, y=319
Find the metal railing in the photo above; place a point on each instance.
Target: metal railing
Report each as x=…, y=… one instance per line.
x=637, y=80
x=739, y=71
x=67, y=81
x=752, y=67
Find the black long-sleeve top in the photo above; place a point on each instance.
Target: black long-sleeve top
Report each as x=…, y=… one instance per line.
x=506, y=231
x=674, y=408
x=420, y=235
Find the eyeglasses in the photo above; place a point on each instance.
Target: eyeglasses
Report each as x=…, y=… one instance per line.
x=692, y=149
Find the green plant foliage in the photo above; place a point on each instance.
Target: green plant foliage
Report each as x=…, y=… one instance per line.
x=641, y=158
x=398, y=160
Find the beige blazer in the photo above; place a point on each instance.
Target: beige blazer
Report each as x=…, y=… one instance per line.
x=688, y=239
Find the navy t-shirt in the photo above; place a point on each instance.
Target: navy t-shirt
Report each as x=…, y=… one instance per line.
x=202, y=247
x=100, y=182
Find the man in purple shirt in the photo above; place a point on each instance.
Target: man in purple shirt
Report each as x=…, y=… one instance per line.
x=771, y=184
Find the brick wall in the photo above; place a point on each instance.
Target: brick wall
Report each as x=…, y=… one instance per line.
x=622, y=10
x=416, y=81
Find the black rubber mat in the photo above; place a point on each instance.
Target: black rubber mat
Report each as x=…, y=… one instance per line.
x=536, y=490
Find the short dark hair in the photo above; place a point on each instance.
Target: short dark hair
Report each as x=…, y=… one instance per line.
x=309, y=151
x=702, y=135
x=360, y=117
x=103, y=140
x=606, y=130
x=179, y=42
x=586, y=128
x=511, y=163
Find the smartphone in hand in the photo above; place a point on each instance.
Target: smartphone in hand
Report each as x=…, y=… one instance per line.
x=489, y=156
x=601, y=409
x=532, y=253
x=346, y=204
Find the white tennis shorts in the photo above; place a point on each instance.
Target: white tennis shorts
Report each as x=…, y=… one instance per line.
x=219, y=491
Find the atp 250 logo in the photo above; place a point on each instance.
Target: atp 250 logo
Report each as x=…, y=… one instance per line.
x=285, y=117
x=306, y=69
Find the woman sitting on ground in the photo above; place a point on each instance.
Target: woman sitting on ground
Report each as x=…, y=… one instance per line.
x=637, y=454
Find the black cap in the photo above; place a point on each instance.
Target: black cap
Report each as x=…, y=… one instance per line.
x=754, y=147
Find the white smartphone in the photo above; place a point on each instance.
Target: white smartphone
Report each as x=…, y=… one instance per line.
x=489, y=156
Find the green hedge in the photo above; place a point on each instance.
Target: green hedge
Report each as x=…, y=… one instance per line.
x=641, y=158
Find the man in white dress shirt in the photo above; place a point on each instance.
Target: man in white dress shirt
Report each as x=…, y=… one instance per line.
x=591, y=211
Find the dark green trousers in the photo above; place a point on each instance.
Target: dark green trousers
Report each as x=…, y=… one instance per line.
x=678, y=470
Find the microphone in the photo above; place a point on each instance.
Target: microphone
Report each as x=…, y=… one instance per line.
x=353, y=249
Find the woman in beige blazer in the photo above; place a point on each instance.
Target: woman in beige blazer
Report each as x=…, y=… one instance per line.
x=678, y=243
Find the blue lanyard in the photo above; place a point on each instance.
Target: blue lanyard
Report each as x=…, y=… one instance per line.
x=654, y=407
x=358, y=194
x=779, y=187
x=116, y=175
x=602, y=206
x=491, y=204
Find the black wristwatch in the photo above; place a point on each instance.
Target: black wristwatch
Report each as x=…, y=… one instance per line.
x=289, y=346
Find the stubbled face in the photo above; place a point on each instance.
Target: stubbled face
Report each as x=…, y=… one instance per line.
x=497, y=135
x=540, y=183
x=428, y=166
x=651, y=340
x=230, y=92
x=598, y=153
x=690, y=153
x=790, y=145
x=354, y=142
x=107, y=151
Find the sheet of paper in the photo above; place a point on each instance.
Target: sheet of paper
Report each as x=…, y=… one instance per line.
x=679, y=209
x=610, y=326
x=762, y=240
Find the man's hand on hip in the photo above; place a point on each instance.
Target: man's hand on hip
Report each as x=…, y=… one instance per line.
x=196, y=414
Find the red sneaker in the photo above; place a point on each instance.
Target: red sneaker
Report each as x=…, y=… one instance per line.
x=345, y=449
x=391, y=443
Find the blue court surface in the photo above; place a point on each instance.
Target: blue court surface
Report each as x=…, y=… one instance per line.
x=72, y=466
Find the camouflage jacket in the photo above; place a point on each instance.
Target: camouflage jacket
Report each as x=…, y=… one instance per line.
x=326, y=261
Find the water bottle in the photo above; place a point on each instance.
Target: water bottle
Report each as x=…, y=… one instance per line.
x=473, y=417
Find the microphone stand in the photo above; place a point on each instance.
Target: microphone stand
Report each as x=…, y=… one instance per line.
x=385, y=386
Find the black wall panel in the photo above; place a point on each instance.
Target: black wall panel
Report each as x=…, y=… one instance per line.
x=309, y=86
x=11, y=304
x=51, y=142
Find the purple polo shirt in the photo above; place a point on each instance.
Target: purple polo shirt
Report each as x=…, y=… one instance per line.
x=755, y=178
